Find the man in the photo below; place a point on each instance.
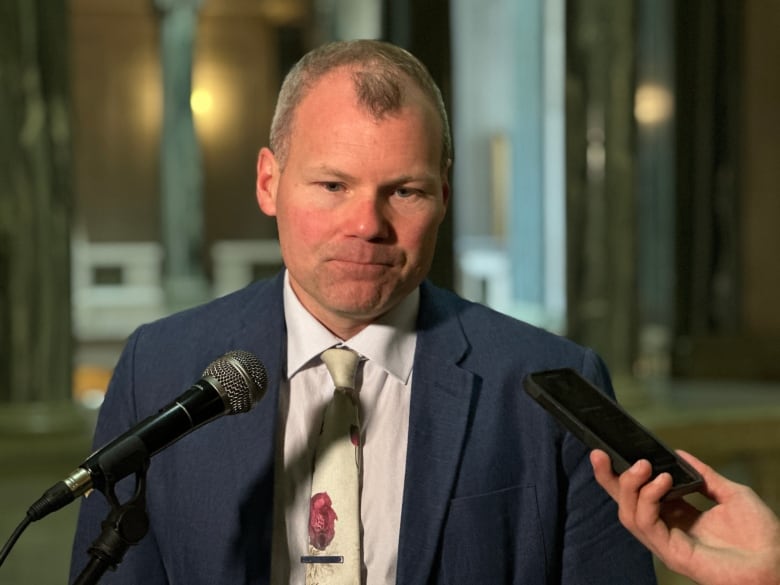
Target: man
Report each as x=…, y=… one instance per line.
x=464, y=479
x=735, y=541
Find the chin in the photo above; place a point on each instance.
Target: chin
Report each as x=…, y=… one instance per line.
x=360, y=311
x=362, y=305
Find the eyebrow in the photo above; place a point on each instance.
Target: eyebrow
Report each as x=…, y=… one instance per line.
x=400, y=180
x=331, y=171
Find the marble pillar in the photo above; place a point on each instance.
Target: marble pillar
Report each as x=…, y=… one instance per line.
x=181, y=172
x=601, y=200
x=35, y=212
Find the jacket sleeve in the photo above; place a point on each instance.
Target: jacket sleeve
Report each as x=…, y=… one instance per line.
x=597, y=549
x=142, y=563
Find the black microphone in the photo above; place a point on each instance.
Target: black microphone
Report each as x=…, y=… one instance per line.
x=231, y=384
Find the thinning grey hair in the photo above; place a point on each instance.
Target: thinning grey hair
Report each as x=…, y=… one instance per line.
x=380, y=72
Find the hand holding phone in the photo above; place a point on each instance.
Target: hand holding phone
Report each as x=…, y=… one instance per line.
x=601, y=423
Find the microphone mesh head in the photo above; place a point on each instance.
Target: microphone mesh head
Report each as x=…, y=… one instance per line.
x=242, y=378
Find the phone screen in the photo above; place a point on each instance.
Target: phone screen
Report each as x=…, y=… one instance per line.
x=601, y=423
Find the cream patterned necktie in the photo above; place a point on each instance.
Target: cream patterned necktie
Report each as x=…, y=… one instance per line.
x=334, y=509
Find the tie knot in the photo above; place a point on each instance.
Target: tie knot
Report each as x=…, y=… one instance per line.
x=342, y=364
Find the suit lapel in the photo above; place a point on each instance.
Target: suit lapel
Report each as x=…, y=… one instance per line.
x=440, y=405
x=262, y=332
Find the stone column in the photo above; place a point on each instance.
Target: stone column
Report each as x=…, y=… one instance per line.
x=181, y=172
x=601, y=198
x=656, y=194
x=35, y=211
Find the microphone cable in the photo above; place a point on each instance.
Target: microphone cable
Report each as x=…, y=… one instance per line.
x=14, y=537
x=243, y=384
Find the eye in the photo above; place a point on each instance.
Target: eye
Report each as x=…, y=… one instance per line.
x=406, y=192
x=332, y=187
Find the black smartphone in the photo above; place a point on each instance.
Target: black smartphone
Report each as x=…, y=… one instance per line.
x=601, y=423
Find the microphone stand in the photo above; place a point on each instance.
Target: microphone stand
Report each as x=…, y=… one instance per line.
x=125, y=525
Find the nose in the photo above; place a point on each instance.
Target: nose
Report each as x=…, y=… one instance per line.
x=366, y=217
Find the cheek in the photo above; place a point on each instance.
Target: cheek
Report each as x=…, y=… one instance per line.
x=422, y=236
x=299, y=228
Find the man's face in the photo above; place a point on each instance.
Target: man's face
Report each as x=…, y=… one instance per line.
x=358, y=203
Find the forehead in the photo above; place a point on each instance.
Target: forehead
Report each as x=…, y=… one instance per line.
x=336, y=86
x=331, y=113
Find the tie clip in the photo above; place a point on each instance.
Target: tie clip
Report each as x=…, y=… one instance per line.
x=322, y=559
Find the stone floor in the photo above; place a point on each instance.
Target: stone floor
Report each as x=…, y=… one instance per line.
x=734, y=426
x=30, y=465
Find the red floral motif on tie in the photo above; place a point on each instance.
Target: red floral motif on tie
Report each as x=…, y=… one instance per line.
x=322, y=519
x=354, y=435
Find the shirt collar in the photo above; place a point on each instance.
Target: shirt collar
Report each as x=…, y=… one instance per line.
x=389, y=342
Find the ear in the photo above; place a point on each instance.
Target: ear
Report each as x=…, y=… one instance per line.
x=267, y=181
x=445, y=185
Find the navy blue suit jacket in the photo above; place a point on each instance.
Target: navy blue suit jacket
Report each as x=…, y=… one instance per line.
x=495, y=491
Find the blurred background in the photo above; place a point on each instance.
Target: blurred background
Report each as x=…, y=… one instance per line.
x=616, y=180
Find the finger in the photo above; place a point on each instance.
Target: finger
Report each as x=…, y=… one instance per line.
x=648, y=509
x=635, y=477
x=655, y=490
x=602, y=471
x=653, y=519
x=716, y=486
x=694, y=461
x=630, y=483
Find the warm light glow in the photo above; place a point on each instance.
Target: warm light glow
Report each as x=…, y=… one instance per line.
x=652, y=104
x=201, y=101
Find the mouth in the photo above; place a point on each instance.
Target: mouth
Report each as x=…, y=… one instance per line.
x=361, y=263
x=368, y=258
x=360, y=268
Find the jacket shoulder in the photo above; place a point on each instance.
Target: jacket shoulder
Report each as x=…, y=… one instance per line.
x=487, y=336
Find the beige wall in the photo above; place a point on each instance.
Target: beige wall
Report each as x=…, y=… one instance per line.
x=116, y=97
x=117, y=107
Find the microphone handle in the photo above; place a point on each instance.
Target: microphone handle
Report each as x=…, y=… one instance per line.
x=127, y=453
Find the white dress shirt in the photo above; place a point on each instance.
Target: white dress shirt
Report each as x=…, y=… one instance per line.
x=384, y=379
